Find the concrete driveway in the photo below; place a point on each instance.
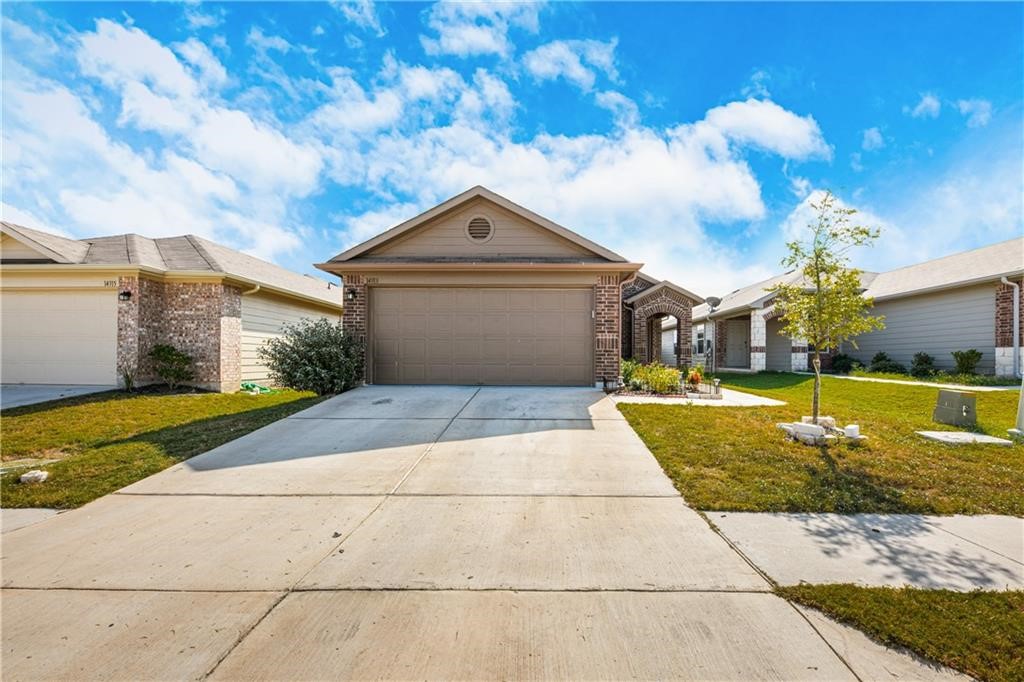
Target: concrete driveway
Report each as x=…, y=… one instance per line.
x=16, y=395
x=399, y=533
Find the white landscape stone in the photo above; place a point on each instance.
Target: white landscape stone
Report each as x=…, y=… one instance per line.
x=963, y=438
x=34, y=476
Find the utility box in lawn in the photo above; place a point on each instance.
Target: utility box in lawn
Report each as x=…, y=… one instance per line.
x=956, y=408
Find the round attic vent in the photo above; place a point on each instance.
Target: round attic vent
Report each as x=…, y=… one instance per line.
x=479, y=229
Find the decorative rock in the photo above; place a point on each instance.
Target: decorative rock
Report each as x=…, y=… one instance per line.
x=963, y=438
x=34, y=476
x=827, y=422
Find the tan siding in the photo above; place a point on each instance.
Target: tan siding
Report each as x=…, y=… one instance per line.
x=263, y=317
x=513, y=236
x=13, y=249
x=778, y=348
x=936, y=324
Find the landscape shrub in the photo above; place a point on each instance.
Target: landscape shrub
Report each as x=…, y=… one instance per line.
x=695, y=375
x=628, y=370
x=966, y=360
x=883, y=363
x=314, y=355
x=174, y=367
x=843, y=363
x=923, y=365
x=658, y=378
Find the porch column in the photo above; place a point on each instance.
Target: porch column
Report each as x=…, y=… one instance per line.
x=758, y=339
x=798, y=355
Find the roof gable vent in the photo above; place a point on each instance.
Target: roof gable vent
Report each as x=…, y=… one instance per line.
x=479, y=229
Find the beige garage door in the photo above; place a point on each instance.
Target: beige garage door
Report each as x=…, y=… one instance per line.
x=482, y=336
x=58, y=337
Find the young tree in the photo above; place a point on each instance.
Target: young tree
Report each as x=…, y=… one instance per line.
x=825, y=307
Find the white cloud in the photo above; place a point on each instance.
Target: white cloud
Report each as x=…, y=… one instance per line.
x=477, y=28
x=211, y=72
x=757, y=86
x=197, y=19
x=624, y=110
x=977, y=111
x=856, y=162
x=260, y=41
x=362, y=13
x=767, y=125
x=574, y=60
x=928, y=107
x=116, y=54
x=872, y=140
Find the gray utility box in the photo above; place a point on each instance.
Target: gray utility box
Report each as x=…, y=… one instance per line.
x=956, y=408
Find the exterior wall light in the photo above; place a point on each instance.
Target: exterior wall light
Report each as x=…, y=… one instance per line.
x=124, y=296
x=351, y=294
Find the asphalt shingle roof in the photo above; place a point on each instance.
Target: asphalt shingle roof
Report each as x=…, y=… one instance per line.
x=179, y=254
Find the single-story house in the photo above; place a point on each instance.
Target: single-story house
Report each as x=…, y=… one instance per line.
x=952, y=303
x=81, y=311
x=480, y=290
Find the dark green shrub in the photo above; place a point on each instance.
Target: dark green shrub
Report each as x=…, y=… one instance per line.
x=966, y=360
x=883, y=363
x=314, y=355
x=173, y=366
x=843, y=363
x=923, y=365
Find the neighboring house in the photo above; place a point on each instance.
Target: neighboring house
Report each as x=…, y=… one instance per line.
x=81, y=311
x=939, y=306
x=479, y=290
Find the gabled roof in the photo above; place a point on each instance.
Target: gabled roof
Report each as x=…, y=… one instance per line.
x=56, y=248
x=745, y=298
x=467, y=196
x=984, y=264
x=664, y=284
x=174, y=255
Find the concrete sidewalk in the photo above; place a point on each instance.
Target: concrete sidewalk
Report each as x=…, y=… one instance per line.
x=16, y=395
x=935, y=552
x=730, y=398
x=408, y=532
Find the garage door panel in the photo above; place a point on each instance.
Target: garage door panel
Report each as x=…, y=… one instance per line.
x=58, y=337
x=482, y=336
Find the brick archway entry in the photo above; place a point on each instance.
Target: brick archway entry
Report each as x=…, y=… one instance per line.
x=648, y=311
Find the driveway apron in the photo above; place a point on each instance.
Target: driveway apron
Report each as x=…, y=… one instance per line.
x=403, y=532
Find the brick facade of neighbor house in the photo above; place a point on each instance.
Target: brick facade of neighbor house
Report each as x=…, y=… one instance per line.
x=1004, y=328
x=353, y=316
x=607, y=329
x=203, y=319
x=719, y=342
x=659, y=303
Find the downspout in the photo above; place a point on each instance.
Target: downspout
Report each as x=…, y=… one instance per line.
x=1016, y=325
x=251, y=291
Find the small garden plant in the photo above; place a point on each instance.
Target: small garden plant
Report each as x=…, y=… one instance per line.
x=315, y=355
x=966, y=360
x=654, y=377
x=174, y=367
x=923, y=365
x=881, y=362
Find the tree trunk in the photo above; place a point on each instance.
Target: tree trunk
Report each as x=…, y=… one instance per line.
x=817, y=385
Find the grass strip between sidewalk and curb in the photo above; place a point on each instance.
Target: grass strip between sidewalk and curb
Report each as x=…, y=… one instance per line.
x=978, y=633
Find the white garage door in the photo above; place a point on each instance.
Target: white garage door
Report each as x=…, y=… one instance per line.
x=482, y=336
x=58, y=337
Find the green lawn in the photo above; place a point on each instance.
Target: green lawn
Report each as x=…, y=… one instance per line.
x=106, y=441
x=978, y=633
x=734, y=459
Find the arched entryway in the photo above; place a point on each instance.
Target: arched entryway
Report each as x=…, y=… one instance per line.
x=650, y=308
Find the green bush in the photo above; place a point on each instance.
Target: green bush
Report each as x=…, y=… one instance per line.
x=628, y=369
x=923, y=365
x=314, y=355
x=966, y=360
x=657, y=378
x=173, y=366
x=843, y=363
x=883, y=363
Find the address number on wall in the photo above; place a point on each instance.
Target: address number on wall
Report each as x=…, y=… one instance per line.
x=110, y=283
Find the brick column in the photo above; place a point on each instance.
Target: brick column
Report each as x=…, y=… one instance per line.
x=720, y=329
x=354, y=312
x=1004, y=328
x=758, y=341
x=230, y=339
x=798, y=355
x=607, y=327
x=128, y=329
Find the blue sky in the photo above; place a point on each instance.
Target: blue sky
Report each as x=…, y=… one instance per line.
x=691, y=137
